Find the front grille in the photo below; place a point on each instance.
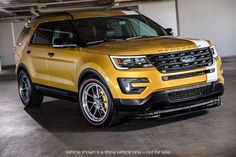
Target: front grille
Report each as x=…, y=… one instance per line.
x=171, y=62
x=189, y=93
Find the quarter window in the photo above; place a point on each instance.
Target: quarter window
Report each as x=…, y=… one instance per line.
x=24, y=32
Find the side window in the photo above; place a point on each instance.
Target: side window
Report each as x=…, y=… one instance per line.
x=142, y=29
x=43, y=34
x=121, y=27
x=24, y=32
x=64, y=33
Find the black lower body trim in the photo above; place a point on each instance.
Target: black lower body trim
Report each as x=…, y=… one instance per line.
x=175, y=110
x=57, y=93
x=165, y=98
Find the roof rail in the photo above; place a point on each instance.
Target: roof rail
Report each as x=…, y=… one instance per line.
x=54, y=14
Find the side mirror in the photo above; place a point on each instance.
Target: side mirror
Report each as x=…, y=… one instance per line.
x=64, y=43
x=169, y=31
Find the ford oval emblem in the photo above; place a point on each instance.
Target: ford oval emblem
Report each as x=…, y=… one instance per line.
x=187, y=59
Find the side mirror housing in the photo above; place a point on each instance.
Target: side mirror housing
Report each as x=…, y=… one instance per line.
x=169, y=31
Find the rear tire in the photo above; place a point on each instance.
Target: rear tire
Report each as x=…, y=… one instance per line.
x=27, y=91
x=96, y=103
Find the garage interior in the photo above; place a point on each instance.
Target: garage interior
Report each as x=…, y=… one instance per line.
x=57, y=126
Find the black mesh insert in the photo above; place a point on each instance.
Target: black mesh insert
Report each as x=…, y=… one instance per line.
x=189, y=93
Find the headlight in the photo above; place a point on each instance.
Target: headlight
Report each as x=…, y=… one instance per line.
x=127, y=62
x=214, y=52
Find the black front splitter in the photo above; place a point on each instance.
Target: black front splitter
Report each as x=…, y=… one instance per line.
x=174, y=110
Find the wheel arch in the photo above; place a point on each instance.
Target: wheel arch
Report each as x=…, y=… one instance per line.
x=91, y=72
x=24, y=68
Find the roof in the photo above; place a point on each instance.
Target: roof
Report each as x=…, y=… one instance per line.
x=80, y=15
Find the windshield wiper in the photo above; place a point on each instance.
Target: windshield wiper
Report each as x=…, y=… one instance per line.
x=102, y=41
x=139, y=37
x=119, y=39
x=95, y=42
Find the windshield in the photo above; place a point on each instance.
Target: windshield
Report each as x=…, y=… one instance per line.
x=101, y=29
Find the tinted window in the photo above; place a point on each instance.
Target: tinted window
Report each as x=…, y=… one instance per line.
x=64, y=33
x=43, y=34
x=24, y=32
x=119, y=27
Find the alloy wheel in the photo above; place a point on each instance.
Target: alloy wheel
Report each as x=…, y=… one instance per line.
x=24, y=88
x=95, y=102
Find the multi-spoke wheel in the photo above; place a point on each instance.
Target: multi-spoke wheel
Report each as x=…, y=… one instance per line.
x=96, y=103
x=27, y=92
x=24, y=88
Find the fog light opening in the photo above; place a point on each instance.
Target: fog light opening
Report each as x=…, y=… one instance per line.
x=127, y=88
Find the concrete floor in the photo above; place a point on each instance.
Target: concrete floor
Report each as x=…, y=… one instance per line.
x=57, y=127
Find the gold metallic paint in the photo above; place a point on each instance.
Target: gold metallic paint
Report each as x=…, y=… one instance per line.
x=64, y=68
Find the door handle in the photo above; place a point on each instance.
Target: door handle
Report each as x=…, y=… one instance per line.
x=28, y=51
x=51, y=54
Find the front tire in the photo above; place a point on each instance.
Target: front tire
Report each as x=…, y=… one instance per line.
x=27, y=91
x=96, y=103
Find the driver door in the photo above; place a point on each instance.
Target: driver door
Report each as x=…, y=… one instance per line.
x=63, y=59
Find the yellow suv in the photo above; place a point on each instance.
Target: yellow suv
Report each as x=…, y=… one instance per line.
x=116, y=63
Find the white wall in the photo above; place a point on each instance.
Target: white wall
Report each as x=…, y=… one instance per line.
x=18, y=27
x=204, y=19
x=162, y=12
x=7, y=44
x=210, y=19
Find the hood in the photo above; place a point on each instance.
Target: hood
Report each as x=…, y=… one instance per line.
x=145, y=46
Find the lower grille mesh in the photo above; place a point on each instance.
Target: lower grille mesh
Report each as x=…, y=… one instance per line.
x=184, y=94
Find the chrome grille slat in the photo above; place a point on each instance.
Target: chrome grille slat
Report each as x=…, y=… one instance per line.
x=171, y=62
x=206, y=53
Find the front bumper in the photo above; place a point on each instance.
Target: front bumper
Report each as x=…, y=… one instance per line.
x=174, y=110
x=162, y=99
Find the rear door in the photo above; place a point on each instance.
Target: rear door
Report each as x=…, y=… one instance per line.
x=37, y=51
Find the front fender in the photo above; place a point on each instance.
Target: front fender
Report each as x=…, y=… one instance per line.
x=101, y=65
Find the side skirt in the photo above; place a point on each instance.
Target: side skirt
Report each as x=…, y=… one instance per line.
x=57, y=93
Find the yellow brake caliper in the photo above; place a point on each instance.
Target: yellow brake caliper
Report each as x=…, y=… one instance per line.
x=104, y=98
